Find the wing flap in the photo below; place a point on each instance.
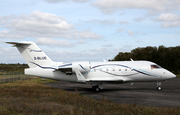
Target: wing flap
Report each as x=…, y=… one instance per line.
x=68, y=71
x=65, y=68
x=18, y=43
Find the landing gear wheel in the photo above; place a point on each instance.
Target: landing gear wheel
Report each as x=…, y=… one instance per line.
x=159, y=88
x=93, y=87
x=97, y=89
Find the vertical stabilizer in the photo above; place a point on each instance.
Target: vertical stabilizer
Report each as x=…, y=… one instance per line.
x=32, y=54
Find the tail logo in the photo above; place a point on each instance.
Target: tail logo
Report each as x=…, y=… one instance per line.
x=31, y=50
x=40, y=58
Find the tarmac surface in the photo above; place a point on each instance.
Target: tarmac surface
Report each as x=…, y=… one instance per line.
x=141, y=93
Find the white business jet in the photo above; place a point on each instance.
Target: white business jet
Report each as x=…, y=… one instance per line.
x=93, y=73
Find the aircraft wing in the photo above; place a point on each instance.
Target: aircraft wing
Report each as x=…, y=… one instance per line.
x=80, y=77
x=66, y=68
x=18, y=43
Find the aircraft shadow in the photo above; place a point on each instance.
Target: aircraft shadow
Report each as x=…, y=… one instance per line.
x=89, y=90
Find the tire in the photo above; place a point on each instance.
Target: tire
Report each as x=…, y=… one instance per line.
x=93, y=87
x=97, y=89
x=159, y=88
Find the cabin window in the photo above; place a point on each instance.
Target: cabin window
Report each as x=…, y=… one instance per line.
x=94, y=70
x=113, y=69
x=155, y=67
x=119, y=69
x=107, y=69
x=125, y=69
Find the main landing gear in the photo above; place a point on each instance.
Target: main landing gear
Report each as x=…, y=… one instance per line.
x=97, y=88
x=159, y=86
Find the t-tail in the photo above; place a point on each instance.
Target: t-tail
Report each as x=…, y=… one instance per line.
x=32, y=54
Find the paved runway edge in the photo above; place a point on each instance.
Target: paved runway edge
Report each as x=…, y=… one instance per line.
x=144, y=94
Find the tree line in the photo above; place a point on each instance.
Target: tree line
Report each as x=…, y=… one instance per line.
x=10, y=67
x=166, y=57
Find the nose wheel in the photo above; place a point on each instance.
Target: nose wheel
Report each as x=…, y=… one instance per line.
x=159, y=86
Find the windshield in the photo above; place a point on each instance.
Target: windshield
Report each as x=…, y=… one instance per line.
x=155, y=67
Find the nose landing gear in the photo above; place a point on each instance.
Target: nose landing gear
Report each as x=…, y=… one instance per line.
x=159, y=86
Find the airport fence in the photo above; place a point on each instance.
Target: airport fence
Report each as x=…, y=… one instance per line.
x=12, y=76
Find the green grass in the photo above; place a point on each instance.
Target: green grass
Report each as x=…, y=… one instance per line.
x=31, y=97
x=11, y=76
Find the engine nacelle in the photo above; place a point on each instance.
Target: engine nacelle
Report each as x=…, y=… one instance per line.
x=83, y=67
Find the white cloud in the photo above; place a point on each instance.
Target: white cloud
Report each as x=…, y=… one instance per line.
x=102, y=22
x=144, y=33
x=94, y=54
x=81, y=42
x=127, y=46
x=139, y=41
x=54, y=1
x=81, y=0
x=152, y=6
x=138, y=19
x=170, y=24
x=122, y=13
x=123, y=22
x=130, y=33
x=169, y=20
x=119, y=30
x=57, y=1
x=2, y=33
x=107, y=45
x=40, y=24
x=10, y=54
x=168, y=17
x=54, y=43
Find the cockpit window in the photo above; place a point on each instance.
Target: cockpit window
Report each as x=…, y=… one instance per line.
x=155, y=67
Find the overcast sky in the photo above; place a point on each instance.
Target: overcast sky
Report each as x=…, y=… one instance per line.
x=87, y=30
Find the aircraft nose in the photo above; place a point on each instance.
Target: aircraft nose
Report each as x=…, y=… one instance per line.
x=171, y=75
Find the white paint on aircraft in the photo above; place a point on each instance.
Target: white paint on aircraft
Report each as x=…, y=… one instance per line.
x=93, y=73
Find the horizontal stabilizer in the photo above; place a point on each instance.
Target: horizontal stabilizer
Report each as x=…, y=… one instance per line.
x=19, y=43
